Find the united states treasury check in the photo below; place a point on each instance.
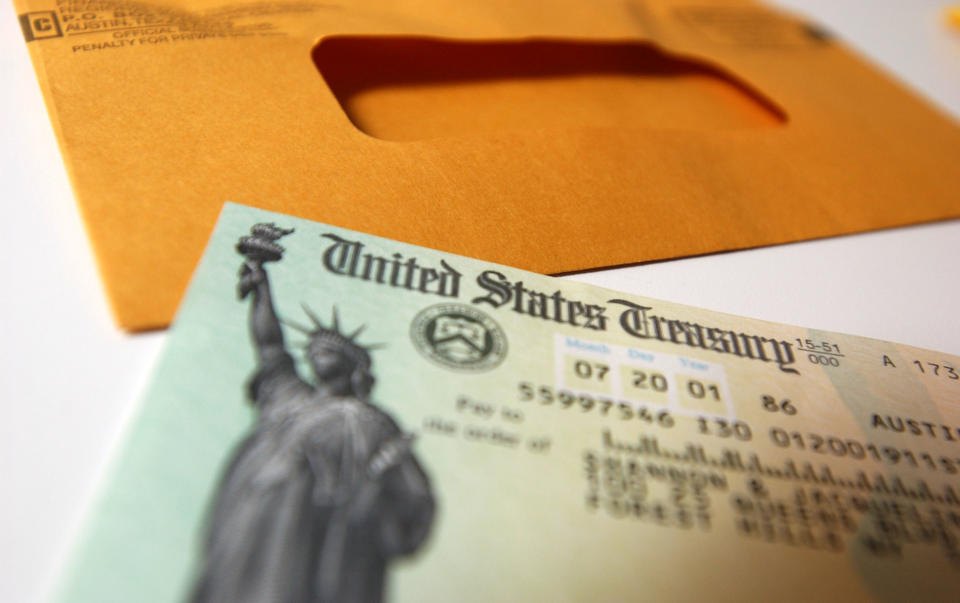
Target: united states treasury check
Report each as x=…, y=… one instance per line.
x=525, y=438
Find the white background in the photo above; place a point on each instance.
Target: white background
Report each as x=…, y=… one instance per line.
x=69, y=378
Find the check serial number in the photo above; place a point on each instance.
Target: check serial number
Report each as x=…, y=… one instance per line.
x=564, y=399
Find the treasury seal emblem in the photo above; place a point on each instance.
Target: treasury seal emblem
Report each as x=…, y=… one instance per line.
x=458, y=337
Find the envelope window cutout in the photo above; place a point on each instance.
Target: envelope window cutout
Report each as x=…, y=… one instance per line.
x=411, y=88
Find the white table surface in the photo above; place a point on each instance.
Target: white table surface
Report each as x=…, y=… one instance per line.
x=69, y=378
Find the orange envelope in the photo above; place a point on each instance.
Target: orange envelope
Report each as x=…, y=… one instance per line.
x=549, y=136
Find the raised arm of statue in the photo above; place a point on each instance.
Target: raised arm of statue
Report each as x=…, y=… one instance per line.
x=275, y=365
x=264, y=324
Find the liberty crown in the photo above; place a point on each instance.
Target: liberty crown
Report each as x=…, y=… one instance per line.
x=332, y=338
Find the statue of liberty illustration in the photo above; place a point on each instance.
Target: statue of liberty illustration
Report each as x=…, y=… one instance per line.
x=325, y=490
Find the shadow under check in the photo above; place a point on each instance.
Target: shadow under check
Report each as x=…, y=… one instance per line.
x=414, y=88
